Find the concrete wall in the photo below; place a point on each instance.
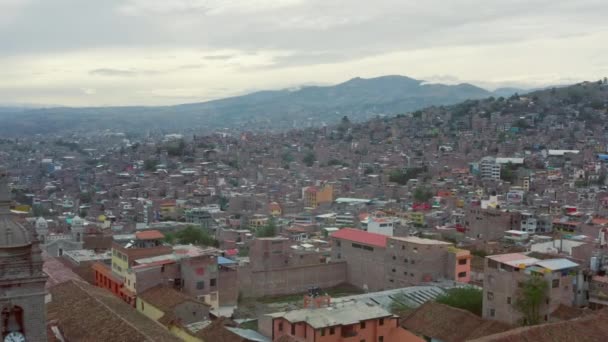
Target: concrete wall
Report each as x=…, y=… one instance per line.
x=365, y=266
x=501, y=286
x=410, y=264
x=290, y=280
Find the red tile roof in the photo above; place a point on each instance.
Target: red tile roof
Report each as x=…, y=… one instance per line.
x=149, y=235
x=360, y=236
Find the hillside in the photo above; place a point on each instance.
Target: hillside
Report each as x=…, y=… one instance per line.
x=357, y=98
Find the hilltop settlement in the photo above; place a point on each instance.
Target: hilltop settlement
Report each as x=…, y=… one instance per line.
x=481, y=221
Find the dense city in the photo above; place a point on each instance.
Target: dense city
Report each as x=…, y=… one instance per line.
x=481, y=221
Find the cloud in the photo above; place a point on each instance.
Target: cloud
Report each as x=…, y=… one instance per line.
x=113, y=72
x=123, y=47
x=109, y=72
x=218, y=57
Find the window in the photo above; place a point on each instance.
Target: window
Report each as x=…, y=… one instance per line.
x=339, y=256
x=142, y=304
x=200, y=285
x=380, y=338
x=381, y=321
x=363, y=325
x=462, y=262
x=508, y=300
x=415, y=249
x=332, y=330
x=402, y=247
x=162, y=268
x=280, y=326
x=490, y=295
x=293, y=329
x=394, y=257
x=492, y=312
x=413, y=262
x=391, y=280
x=393, y=270
x=322, y=331
x=405, y=260
x=555, y=283
x=462, y=274
x=212, y=282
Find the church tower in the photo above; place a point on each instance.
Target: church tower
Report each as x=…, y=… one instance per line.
x=77, y=228
x=42, y=229
x=22, y=279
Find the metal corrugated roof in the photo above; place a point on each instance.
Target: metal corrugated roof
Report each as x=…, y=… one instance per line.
x=557, y=264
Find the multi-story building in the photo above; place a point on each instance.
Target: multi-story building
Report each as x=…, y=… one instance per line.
x=364, y=254
x=142, y=263
x=342, y=322
x=125, y=251
x=598, y=292
x=378, y=262
x=489, y=169
x=200, y=217
x=506, y=274
x=379, y=223
x=488, y=224
x=412, y=260
x=314, y=196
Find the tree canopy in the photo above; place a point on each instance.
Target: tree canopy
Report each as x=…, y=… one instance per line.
x=192, y=235
x=531, y=295
x=269, y=230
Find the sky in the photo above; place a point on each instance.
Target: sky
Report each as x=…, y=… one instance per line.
x=162, y=52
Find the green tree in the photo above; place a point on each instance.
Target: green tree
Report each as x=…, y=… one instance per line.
x=309, y=158
x=269, y=230
x=196, y=236
x=402, y=177
x=531, y=295
x=466, y=298
x=507, y=173
x=422, y=194
x=150, y=164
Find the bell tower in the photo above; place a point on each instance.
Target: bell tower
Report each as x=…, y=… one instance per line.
x=22, y=280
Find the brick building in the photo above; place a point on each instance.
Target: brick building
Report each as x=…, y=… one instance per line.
x=505, y=274
x=378, y=262
x=347, y=321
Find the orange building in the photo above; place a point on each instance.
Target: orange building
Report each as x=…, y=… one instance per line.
x=343, y=322
x=140, y=245
x=314, y=196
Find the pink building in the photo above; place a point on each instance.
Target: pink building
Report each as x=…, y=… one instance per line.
x=351, y=321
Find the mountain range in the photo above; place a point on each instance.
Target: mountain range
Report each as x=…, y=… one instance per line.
x=358, y=98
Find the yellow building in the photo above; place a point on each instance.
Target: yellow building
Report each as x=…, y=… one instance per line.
x=258, y=220
x=275, y=209
x=417, y=218
x=314, y=196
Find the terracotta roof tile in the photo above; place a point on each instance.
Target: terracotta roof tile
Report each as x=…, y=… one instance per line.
x=589, y=328
x=149, y=235
x=87, y=313
x=165, y=298
x=360, y=236
x=449, y=324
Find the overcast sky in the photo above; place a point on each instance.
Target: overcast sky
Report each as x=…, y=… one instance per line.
x=151, y=52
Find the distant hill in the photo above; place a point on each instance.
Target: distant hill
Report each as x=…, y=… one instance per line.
x=357, y=98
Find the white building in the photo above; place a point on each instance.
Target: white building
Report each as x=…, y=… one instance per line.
x=379, y=223
x=489, y=169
